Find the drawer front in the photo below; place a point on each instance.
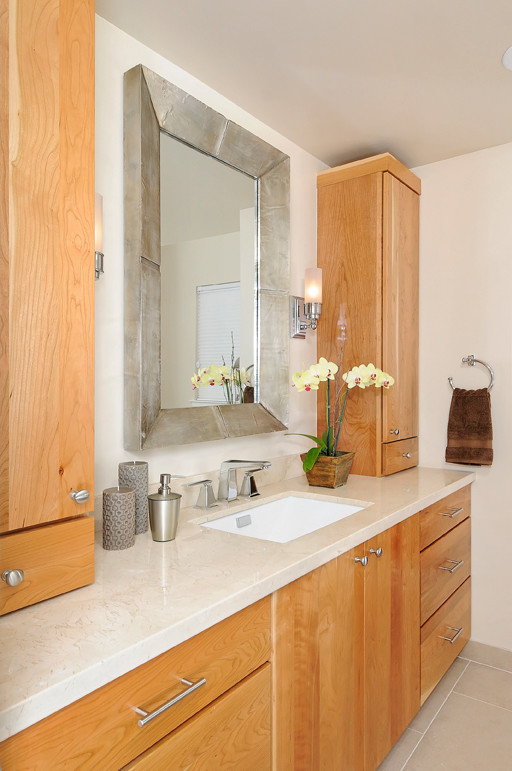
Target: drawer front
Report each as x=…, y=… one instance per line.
x=438, y=519
x=397, y=456
x=232, y=733
x=445, y=565
x=55, y=558
x=438, y=653
x=101, y=730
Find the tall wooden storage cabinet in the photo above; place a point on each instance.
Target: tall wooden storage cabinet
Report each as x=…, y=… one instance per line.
x=47, y=297
x=368, y=228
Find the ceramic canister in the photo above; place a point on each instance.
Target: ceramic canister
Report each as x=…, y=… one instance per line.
x=118, y=517
x=134, y=473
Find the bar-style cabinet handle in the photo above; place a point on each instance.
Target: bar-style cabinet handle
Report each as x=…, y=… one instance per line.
x=147, y=716
x=456, y=565
x=452, y=512
x=458, y=632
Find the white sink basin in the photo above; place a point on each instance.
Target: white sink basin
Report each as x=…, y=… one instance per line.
x=284, y=519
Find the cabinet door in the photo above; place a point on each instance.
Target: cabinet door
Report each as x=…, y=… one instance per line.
x=318, y=669
x=47, y=304
x=391, y=637
x=350, y=254
x=400, y=309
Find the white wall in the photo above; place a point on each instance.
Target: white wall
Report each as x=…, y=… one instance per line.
x=465, y=307
x=116, y=52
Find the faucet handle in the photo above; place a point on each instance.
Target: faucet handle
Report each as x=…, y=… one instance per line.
x=249, y=485
x=206, y=498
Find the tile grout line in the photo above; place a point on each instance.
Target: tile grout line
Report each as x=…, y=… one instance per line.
x=482, y=701
x=483, y=664
x=436, y=714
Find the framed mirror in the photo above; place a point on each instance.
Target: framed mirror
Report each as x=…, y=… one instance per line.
x=154, y=107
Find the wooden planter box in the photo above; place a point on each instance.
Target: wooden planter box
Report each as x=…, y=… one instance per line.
x=330, y=472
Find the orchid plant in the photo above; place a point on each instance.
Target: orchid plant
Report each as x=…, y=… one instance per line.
x=362, y=376
x=233, y=379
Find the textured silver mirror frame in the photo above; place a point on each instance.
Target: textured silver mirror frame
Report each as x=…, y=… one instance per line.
x=151, y=105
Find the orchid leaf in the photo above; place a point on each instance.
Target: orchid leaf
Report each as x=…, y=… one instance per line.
x=319, y=441
x=311, y=457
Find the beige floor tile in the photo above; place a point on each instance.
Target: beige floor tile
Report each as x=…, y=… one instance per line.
x=487, y=684
x=467, y=735
x=394, y=760
x=435, y=701
x=486, y=654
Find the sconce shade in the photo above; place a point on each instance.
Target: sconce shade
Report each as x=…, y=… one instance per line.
x=98, y=223
x=313, y=286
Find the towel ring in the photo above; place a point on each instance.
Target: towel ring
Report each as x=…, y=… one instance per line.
x=470, y=361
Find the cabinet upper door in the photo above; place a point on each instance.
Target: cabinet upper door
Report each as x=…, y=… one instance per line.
x=400, y=309
x=47, y=298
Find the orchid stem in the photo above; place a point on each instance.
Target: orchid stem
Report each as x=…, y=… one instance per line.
x=328, y=405
x=340, y=421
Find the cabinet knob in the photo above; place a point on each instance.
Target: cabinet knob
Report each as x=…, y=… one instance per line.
x=13, y=577
x=80, y=496
x=395, y=431
x=362, y=560
x=407, y=455
x=377, y=552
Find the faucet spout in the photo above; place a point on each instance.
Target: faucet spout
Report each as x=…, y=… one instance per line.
x=227, y=476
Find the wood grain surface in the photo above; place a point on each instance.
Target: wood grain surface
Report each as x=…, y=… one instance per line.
x=50, y=251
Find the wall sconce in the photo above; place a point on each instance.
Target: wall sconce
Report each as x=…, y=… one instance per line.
x=305, y=312
x=98, y=235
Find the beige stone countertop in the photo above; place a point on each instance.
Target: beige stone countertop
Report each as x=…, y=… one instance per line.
x=153, y=596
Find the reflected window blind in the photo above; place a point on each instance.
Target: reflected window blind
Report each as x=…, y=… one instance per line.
x=218, y=317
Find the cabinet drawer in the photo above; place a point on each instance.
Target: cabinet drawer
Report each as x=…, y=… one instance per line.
x=438, y=519
x=55, y=558
x=397, y=456
x=445, y=565
x=452, y=621
x=101, y=730
x=233, y=732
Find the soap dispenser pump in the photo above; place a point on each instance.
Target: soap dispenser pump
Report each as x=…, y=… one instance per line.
x=164, y=510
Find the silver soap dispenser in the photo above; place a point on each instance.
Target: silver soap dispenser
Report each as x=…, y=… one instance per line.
x=164, y=510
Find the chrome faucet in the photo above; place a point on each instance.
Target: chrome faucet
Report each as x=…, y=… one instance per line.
x=227, y=477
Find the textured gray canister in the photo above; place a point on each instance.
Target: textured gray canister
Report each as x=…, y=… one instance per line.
x=134, y=473
x=118, y=517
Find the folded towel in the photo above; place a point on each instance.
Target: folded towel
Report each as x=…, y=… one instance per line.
x=470, y=428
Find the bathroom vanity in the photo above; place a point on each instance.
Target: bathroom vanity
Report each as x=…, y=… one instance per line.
x=310, y=650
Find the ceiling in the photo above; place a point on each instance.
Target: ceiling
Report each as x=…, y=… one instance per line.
x=344, y=79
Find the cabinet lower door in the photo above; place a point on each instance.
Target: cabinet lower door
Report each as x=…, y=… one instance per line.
x=392, y=642
x=231, y=733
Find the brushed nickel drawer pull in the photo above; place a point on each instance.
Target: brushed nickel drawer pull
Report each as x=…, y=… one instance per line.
x=362, y=560
x=452, y=512
x=458, y=632
x=395, y=431
x=377, y=552
x=407, y=455
x=456, y=565
x=147, y=716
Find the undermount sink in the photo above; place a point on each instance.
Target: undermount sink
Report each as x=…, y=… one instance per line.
x=284, y=519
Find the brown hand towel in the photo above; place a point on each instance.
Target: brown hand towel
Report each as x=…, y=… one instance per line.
x=470, y=428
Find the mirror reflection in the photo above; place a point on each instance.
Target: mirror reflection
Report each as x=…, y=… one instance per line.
x=208, y=270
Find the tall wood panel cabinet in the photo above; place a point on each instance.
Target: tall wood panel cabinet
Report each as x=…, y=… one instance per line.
x=368, y=228
x=47, y=297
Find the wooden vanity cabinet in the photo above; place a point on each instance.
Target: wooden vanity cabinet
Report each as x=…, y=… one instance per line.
x=346, y=656
x=223, y=723
x=368, y=245
x=47, y=296
x=445, y=541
